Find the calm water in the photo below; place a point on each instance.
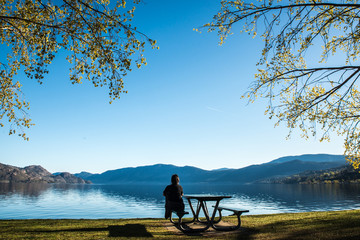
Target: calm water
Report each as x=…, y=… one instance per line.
x=26, y=201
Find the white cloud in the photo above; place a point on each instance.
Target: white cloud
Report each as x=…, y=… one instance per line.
x=213, y=109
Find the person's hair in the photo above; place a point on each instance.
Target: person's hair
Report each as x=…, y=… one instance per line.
x=175, y=179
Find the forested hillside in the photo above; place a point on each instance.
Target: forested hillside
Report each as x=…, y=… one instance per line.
x=345, y=174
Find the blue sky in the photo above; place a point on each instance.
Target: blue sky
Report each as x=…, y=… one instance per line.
x=183, y=108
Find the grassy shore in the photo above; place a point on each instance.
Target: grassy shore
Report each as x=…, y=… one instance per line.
x=311, y=225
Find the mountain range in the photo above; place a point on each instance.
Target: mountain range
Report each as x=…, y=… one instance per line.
x=34, y=173
x=161, y=173
x=312, y=158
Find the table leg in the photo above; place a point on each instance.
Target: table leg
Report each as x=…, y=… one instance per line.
x=214, y=213
x=210, y=220
x=215, y=209
x=195, y=214
x=200, y=206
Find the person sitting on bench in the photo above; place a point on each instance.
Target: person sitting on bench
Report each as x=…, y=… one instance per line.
x=173, y=194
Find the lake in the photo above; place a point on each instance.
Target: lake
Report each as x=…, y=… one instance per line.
x=32, y=201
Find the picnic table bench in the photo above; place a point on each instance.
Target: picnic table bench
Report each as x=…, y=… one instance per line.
x=180, y=216
x=236, y=212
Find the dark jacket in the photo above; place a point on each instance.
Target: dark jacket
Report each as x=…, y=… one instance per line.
x=174, y=202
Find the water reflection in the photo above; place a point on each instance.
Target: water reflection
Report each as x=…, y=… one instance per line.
x=22, y=201
x=31, y=190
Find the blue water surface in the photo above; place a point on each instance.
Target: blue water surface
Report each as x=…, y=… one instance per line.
x=42, y=201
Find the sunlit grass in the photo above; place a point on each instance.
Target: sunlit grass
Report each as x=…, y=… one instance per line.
x=311, y=225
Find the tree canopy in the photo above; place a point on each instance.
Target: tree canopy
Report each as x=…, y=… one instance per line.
x=101, y=45
x=309, y=65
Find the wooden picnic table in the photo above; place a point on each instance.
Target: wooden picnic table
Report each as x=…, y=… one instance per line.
x=210, y=219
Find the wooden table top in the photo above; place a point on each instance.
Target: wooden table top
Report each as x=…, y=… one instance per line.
x=205, y=197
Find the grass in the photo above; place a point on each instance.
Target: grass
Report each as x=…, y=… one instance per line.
x=310, y=225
